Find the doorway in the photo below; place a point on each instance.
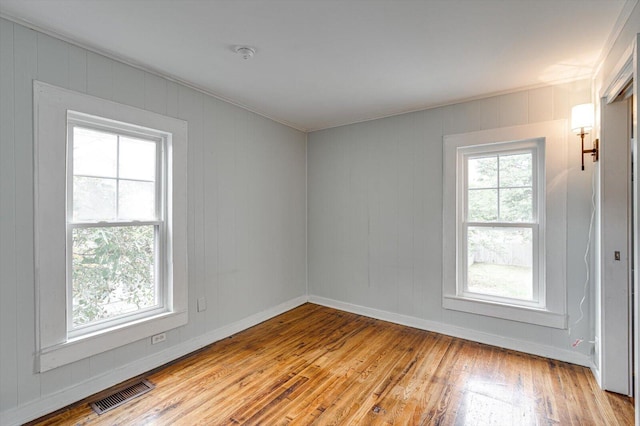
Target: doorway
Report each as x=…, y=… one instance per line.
x=614, y=281
x=619, y=278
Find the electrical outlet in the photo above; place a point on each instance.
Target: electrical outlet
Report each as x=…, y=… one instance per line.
x=158, y=338
x=202, y=304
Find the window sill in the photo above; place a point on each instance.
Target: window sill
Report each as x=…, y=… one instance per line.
x=530, y=315
x=92, y=344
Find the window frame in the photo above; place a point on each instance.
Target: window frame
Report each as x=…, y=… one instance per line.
x=55, y=346
x=536, y=148
x=551, y=137
x=86, y=121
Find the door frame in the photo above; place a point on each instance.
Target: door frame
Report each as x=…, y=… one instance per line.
x=625, y=71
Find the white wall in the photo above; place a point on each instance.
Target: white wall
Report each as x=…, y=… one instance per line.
x=246, y=224
x=375, y=218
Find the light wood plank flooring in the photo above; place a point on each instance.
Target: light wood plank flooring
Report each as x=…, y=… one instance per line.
x=315, y=365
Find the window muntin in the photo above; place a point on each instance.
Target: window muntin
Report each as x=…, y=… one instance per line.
x=115, y=224
x=500, y=187
x=499, y=230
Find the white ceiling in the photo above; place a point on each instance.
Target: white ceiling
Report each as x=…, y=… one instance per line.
x=324, y=63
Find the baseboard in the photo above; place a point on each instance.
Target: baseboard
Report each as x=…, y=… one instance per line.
x=596, y=373
x=40, y=407
x=33, y=410
x=454, y=331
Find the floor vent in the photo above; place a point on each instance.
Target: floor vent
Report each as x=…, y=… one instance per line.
x=119, y=398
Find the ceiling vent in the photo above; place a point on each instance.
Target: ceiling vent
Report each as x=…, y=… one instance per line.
x=245, y=51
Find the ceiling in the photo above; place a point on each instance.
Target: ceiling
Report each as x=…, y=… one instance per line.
x=325, y=63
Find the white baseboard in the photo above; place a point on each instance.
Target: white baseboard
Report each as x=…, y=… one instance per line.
x=33, y=410
x=40, y=407
x=596, y=373
x=463, y=333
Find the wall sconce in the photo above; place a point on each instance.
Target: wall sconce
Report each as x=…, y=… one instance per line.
x=581, y=122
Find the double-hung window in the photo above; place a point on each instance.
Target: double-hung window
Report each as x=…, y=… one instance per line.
x=504, y=223
x=500, y=228
x=110, y=204
x=116, y=226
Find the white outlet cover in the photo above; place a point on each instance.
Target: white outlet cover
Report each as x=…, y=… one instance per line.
x=202, y=304
x=158, y=338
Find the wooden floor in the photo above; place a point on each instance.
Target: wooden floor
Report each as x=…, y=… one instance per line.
x=315, y=365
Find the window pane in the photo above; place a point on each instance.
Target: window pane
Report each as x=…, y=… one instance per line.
x=483, y=205
x=113, y=272
x=136, y=200
x=94, y=153
x=515, y=170
x=483, y=172
x=94, y=199
x=516, y=205
x=137, y=159
x=500, y=262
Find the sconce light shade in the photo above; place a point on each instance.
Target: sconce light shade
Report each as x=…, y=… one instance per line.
x=582, y=118
x=581, y=123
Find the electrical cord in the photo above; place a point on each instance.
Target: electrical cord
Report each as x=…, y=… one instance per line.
x=577, y=342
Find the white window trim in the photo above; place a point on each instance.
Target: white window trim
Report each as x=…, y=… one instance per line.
x=551, y=309
x=54, y=347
